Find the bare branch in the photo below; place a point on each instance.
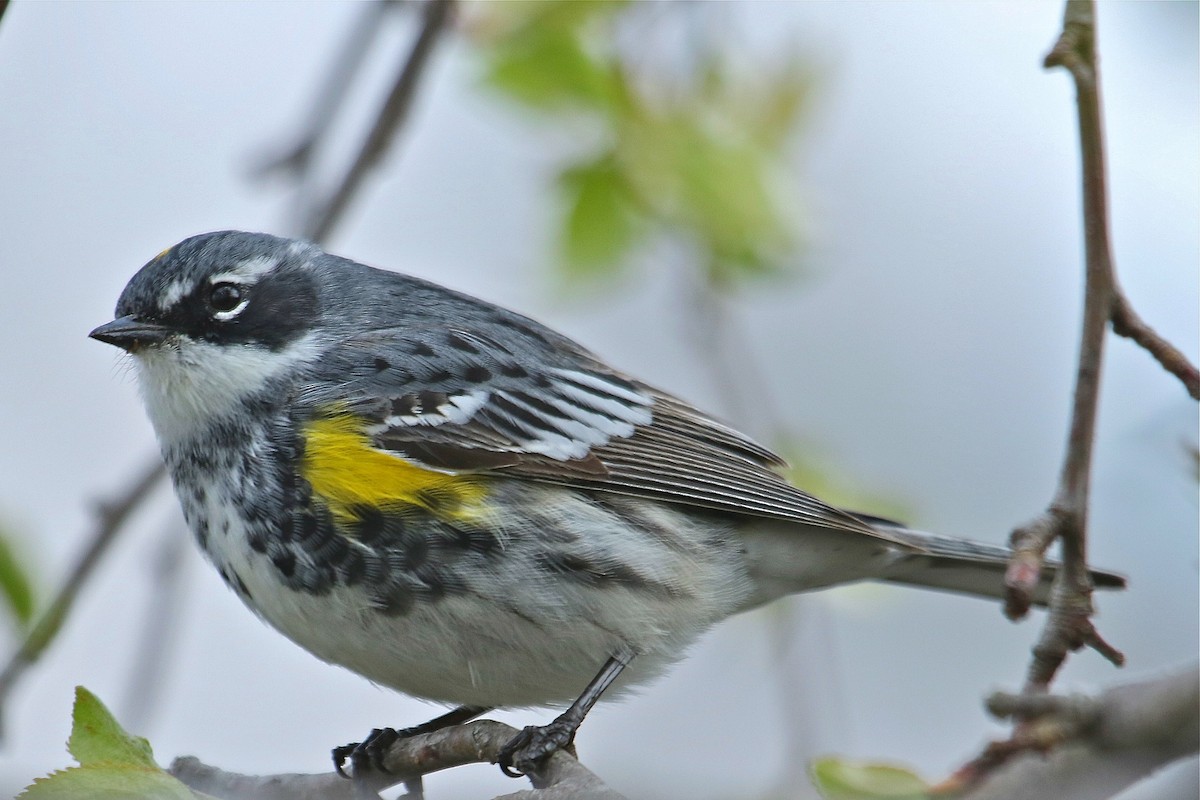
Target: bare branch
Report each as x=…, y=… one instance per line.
x=1075, y=50
x=563, y=777
x=1069, y=625
x=1096, y=745
x=160, y=628
x=111, y=518
x=1127, y=323
x=391, y=118
x=334, y=89
x=235, y=786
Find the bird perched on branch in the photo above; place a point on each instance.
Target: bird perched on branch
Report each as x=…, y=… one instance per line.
x=455, y=501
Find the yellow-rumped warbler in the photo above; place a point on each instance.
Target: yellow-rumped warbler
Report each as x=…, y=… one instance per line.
x=455, y=501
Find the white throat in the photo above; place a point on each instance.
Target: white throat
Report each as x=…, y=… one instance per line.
x=187, y=385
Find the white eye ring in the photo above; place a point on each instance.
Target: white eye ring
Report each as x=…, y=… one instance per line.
x=222, y=293
x=231, y=313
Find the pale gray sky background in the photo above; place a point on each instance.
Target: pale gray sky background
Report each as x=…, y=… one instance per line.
x=928, y=354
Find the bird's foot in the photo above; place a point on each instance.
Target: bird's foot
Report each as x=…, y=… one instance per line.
x=526, y=751
x=367, y=755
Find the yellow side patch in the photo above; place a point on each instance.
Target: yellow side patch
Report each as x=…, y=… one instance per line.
x=346, y=471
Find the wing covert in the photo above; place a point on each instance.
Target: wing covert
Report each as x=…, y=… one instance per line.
x=456, y=400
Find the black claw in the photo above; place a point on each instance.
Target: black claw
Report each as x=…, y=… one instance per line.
x=367, y=755
x=508, y=752
x=340, y=754
x=526, y=751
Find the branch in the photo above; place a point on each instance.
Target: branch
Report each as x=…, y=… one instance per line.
x=160, y=628
x=1069, y=626
x=334, y=89
x=1085, y=748
x=112, y=516
x=1127, y=323
x=391, y=118
x=563, y=777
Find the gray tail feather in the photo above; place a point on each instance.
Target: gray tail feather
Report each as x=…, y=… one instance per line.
x=960, y=565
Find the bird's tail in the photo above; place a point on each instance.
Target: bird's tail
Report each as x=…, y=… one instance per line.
x=962, y=565
x=784, y=559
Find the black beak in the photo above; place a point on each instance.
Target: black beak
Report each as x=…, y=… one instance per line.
x=130, y=333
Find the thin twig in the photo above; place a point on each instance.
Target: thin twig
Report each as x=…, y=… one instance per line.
x=479, y=742
x=334, y=89
x=391, y=118
x=1127, y=323
x=1098, y=745
x=160, y=627
x=1069, y=627
x=111, y=519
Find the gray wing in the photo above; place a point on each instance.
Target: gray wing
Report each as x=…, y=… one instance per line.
x=456, y=400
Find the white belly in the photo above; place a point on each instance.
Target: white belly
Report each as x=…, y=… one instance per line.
x=511, y=632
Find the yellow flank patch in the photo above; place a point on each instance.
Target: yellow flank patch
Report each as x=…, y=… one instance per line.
x=346, y=471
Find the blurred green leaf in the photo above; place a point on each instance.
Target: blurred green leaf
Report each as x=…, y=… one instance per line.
x=544, y=59
x=780, y=105
x=812, y=471
x=113, y=765
x=601, y=223
x=545, y=70
x=498, y=21
x=699, y=156
x=839, y=779
x=15, y=584
x=710, y=183
x=729, y=202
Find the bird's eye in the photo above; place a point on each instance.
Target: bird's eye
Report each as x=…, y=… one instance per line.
x=226, y=297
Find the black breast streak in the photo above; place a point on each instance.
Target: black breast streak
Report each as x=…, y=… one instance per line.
x=625, y=509
x=398, y=557
x=428, y=559
x=600, y=573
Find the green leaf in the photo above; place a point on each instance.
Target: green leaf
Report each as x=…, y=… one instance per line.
x=113, y=764
x=15, y=585
x=711, y=183
x=698, y=156
x=817, y=473
x=108, y=782
x=549, y=68
x=840, y=779
x=781, y=104
x=601, y=223
x=496, y=22
x=729, y=201
x=97, y=737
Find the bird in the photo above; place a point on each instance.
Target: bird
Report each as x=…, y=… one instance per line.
x=455, y=501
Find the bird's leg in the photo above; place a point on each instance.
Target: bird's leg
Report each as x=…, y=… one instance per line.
x=535, y=743
x=368, y=754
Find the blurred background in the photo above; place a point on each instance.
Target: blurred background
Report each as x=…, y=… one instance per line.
x=852, y=229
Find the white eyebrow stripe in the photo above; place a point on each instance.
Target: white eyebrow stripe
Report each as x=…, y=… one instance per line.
x=175, y=291
x=228, y=277
x=247, y=272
